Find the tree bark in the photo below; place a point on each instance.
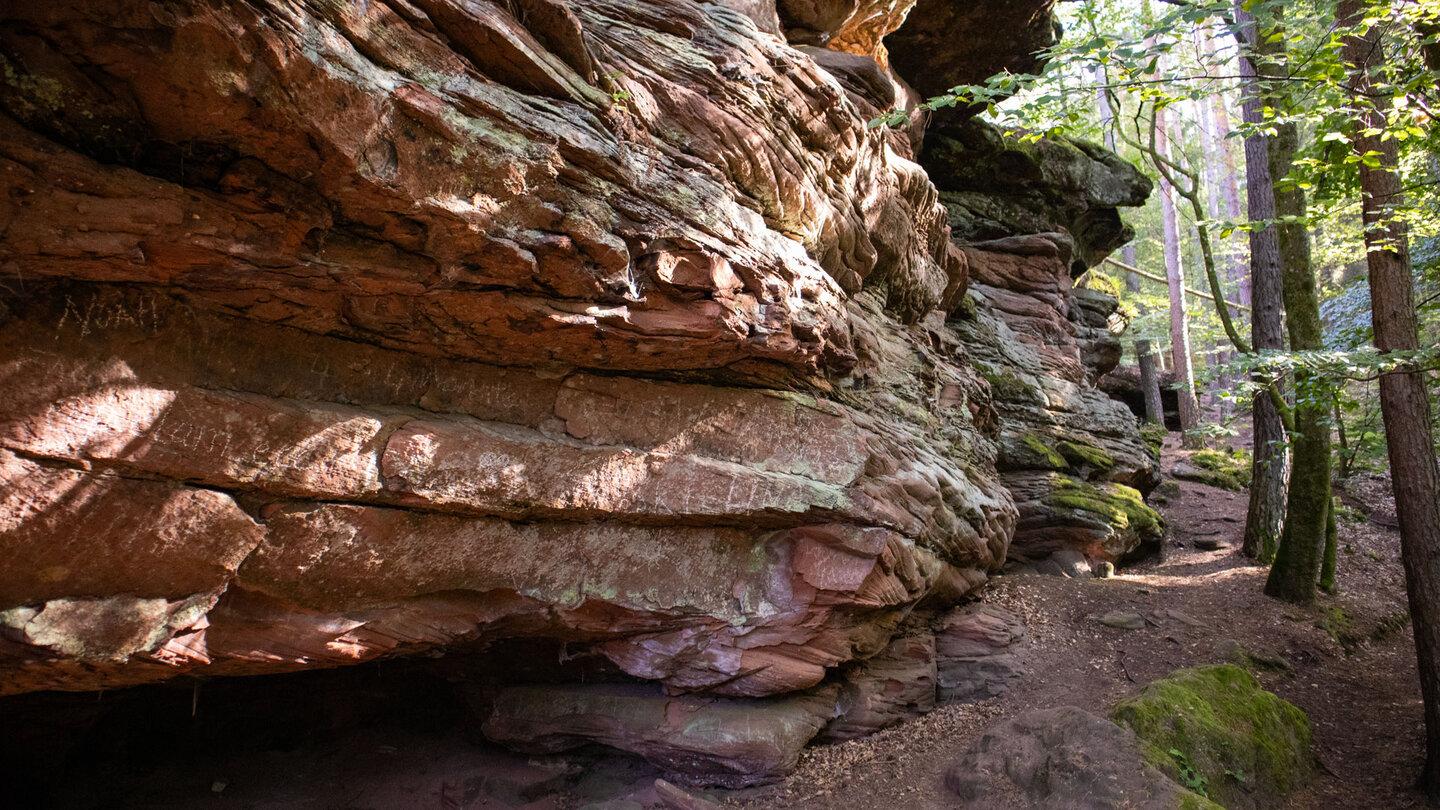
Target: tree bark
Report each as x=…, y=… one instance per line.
x=1179, y=319
x=1332, y=548
x=1150, y=384
x=1271, y=459
x=1404, y=402
x=1296, y=571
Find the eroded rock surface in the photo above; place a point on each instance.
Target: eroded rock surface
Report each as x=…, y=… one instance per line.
x=981, y=650
x=996, y=185
x=716, y=740
x=1064, y=758
x=334, y=332
x=1069, y=454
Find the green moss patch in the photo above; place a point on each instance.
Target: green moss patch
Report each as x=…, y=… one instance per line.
x=1082, y=454
x=1227, y=470
x=1247, y=745
x=1154, y=436
x=1007, y=387
x=1339, y=625
x=1044, y=456
x=1121, y=506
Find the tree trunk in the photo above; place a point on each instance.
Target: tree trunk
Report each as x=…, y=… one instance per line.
x=1179, y=320
x=1404, y=402
x=1271, y=460
x=1296, y=570
x=1221, y=178
x=1150, y=384
x=1332, y=548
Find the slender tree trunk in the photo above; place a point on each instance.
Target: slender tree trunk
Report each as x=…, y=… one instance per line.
x=1404, y=401
x=1107, y=116
x=1179, y=319
x=1346, y=456
x=1222, y=180
x=1332, y=548
x=1150, y=384
x=1224, y=204
x=1296, y=570
x=1271, y=460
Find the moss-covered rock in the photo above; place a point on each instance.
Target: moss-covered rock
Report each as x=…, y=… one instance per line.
x=1218, y=468
x=1006, y=387
x=1120, y=506
x=1040, y=455
x=1064, y=758
x=1154, y=436
x=1083, y=454
x=1217, y=725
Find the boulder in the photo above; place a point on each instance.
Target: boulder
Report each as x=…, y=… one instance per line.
x=980, y=651
x=1064, y=759
x=734, y=743
x=1218, y=725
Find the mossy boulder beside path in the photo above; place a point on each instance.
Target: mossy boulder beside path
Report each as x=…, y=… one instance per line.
x=1198, y=739
x=1065, y=759
x=1249, y=746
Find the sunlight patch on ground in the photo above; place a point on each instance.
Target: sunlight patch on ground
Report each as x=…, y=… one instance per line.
x=1178, y=580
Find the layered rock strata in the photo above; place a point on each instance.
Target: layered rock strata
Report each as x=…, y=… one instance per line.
x=334, y=332
x=325, y=324
x=965, y=655
x=1069, y=454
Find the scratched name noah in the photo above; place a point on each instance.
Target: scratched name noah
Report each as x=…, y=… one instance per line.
x=102, y=313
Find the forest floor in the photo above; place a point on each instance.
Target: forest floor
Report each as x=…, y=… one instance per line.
x=1348, y=661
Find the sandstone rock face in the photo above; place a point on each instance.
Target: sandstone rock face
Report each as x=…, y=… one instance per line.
x=981, y=649
x=997, y=186
x=715, y=740
x=944, y=43
x=695, y=532
x=968, y=654
x=1069, y=454
x=333, y=332
x=893, y=686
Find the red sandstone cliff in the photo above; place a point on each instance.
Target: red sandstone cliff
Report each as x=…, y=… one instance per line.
x=337, y=331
